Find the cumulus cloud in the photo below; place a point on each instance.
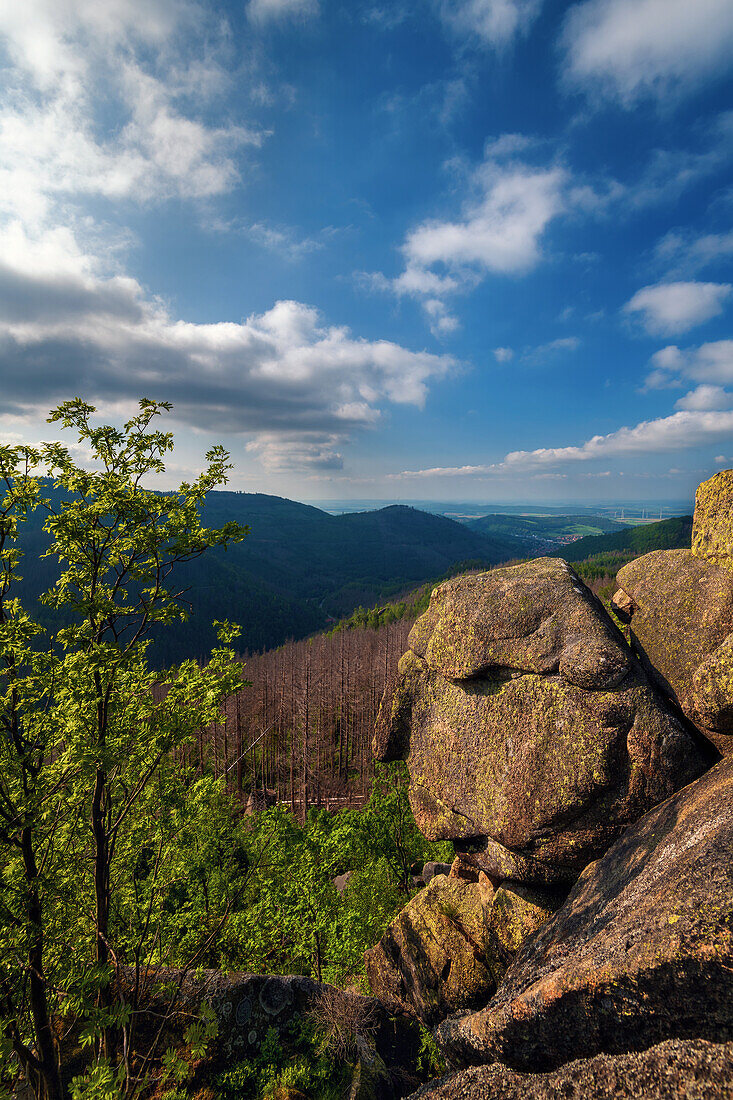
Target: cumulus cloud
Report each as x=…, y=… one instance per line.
x=503, y=355
x=297, y=385
x=629, y=49
x=145, y=67
x=705, y=398
x=492, y=22
x=669, y=308
x=499, y=231
x=263, y=11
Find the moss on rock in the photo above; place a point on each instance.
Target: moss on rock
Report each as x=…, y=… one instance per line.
x=712, y=527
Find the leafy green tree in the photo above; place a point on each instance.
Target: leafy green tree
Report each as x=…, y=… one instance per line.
x=87, y=733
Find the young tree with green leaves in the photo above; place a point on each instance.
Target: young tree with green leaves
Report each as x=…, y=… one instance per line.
x=85, y=739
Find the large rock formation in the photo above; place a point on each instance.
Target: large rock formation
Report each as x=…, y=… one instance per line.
x=532, y=735
x=691, y=1069
x=642, y=950
x=680, y=605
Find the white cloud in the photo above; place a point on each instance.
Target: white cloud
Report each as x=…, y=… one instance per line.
x=543, y=352
x=100, y=103
x=628, y=49
x=503, y=355
x=499, y=231
x=667, y=434
x=262, y=11
x=493, y=22
x=283, y=452
x=683, y=251
x=298, y=386
x=681, y=430
x=705, y=398
x=669, y=308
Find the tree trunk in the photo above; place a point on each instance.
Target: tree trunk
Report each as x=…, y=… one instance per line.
x=47, y=1069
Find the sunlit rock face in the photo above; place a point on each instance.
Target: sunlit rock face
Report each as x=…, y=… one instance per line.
x=680, y=607
x=532, y=735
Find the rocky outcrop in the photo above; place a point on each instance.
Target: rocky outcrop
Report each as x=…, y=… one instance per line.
x=680, y=606
x=430, y=870
x=641, y=951
x=691, y=1069
x=532, y=735
x=431, y=961
x=342, y=881
x=516, y=912
x=452, y=943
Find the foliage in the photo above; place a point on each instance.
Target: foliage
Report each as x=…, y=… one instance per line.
x=92, y=805
x=290, y=918
x=300, y=1062
x=430, y=1061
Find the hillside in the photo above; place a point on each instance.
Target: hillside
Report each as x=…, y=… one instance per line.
x=298, y=569
x=667, y=534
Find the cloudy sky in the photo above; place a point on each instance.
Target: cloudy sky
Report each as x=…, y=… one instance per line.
x=453, y=249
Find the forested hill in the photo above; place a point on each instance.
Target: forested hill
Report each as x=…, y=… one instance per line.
x=667, y=534
x=298, y=569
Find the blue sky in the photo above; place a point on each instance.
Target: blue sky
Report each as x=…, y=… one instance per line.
x=452, y=249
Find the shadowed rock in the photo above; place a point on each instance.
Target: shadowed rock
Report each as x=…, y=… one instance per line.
x=691, y=1069
x=531, y=734
x=641, y=951
x=431, y=961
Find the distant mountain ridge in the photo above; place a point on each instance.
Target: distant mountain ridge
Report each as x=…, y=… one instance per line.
x=298, y=569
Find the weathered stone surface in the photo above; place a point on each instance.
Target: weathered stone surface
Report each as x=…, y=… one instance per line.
x=682, y=626
x=534, y=617
x=712, y=528
x=515, y=913
x=371, y=1079
x=431, y=960
x=452, y=943
x=430, y=870
x=464, y=868
x=689, y=1069
x=641, y=951
x=342, y=881
x=526, y=721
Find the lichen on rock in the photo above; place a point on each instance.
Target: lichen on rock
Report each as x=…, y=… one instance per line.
x=528, y=727
x=712, y=528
